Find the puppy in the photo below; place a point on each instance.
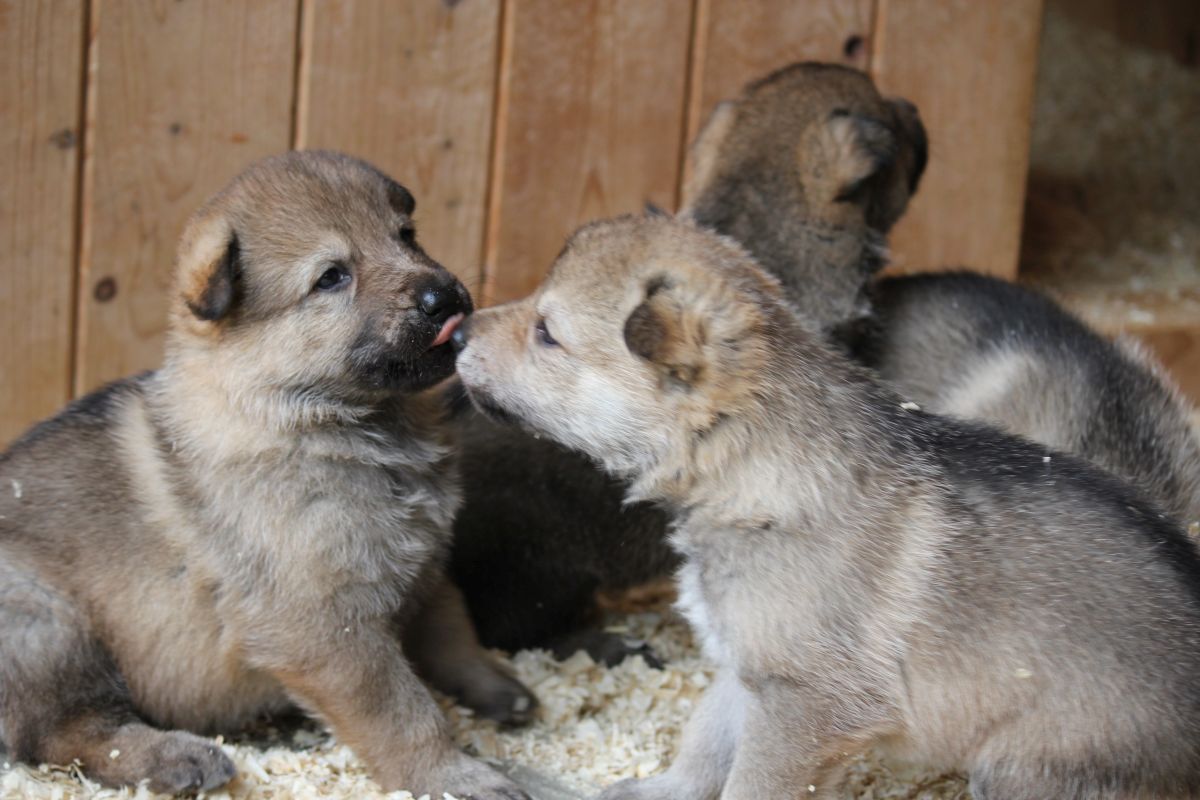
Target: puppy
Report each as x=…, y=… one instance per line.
x=263, y=520
x=541, y=531
x=863, y=572
x=809, y=167
x=958, y=344
x=979, y=348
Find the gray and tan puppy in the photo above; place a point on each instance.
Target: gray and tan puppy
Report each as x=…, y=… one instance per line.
x=260, y=522
x=809, y=167
x=863, y=573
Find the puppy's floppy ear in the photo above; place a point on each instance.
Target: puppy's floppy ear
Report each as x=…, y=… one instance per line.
x=841, y=153
x=667, y=333
x=209, y=266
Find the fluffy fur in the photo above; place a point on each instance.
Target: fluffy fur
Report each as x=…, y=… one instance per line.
x=263, y=520
x=808, y=167
x=864, y=573
x=978, y=348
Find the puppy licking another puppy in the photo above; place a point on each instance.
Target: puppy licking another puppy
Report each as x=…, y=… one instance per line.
x=865, y=574
x=808, y=168
x=262, y=521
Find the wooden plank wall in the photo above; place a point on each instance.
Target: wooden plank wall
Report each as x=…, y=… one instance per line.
x=41, y=79
x=181, y=96
x=589, y=124
x=513, y=121
x=969, y=208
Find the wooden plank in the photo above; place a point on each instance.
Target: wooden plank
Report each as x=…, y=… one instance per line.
x=182, y=96
x=41, y=86
x=736, y=43
x=590, y=122
x=410, y=87
x=969, y=66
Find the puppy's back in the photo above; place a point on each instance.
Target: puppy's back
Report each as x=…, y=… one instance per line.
x=42, y=472
x=979, y=348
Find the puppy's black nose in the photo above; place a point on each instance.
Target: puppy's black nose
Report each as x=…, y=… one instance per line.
x=439, y=302
x=458, y=339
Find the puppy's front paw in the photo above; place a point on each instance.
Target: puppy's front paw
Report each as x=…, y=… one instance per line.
x=658, y=787
x=496, y=694
x=606, y=648
x=628, y=789
x=468, y=779
x=180, y=763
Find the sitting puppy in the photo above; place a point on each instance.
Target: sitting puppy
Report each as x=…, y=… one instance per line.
x=809, y=167
x=262, y=520
x=864, y=573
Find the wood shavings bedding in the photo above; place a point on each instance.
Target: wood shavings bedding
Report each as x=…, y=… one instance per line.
x=597, y=725
x=1112, y=224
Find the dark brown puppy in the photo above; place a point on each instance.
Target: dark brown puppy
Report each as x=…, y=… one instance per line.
x=809, y=167
x=263, y=520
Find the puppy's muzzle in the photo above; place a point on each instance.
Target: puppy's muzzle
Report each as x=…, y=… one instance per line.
x=446, y=306
x=439, y=303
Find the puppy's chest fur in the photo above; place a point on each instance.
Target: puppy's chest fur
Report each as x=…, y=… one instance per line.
x=693, y=603
x=771, y=598
x=307, y=534
x=725, y=591
x=359, y=516
x=344, y=520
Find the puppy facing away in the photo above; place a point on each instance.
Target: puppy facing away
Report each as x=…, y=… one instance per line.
x=262, y=521
x=958, y=344
x=979, y=348
x=809, y=167
x=864, y=573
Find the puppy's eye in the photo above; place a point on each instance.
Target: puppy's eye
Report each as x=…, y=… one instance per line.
x=543, y=334
x=335, y=277
x=407, y=235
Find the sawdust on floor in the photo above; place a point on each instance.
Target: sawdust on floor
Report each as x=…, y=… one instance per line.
x=1112, y=223
x=596, y=725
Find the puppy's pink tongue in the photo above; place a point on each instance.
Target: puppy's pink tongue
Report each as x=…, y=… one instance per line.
x=448, y=328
